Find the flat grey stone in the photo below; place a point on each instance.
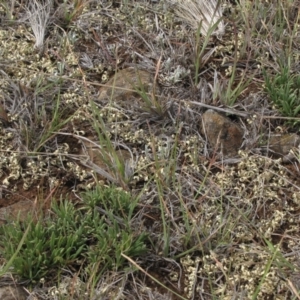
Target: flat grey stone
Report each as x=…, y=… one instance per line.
x=282, y=144
x=11, y=292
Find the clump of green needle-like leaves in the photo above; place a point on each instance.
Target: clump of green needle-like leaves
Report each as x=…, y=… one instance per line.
x=98, y=232
x=284, y=91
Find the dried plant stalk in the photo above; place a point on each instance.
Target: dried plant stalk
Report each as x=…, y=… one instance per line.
x=38, y=15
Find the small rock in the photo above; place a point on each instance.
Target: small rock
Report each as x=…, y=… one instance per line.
x=19, y=210
x=10, y=292
x=124, y=84
x=222, y=133
x=3, y=115
x=282, y=144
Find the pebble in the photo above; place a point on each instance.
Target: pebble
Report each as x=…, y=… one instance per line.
x=221, y=133
x=281, y=145
x=3, y=115
x=11, y=292
x=124, y=83
x=19, y=210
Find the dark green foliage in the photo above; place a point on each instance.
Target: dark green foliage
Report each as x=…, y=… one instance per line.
x=72, y=236
x=284, y=91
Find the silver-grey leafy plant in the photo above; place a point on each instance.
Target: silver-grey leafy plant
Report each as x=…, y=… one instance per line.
x=38, y=16
x=204, y=13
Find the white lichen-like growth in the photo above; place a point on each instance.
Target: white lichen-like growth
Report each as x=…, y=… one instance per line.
x=38, y=16
x=203, y=13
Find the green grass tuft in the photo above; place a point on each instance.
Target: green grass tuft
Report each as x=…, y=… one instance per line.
x=71, y=236
x=284, y=91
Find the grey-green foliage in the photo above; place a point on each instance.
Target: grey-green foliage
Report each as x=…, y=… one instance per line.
x=97, y=232
x=284, y=91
